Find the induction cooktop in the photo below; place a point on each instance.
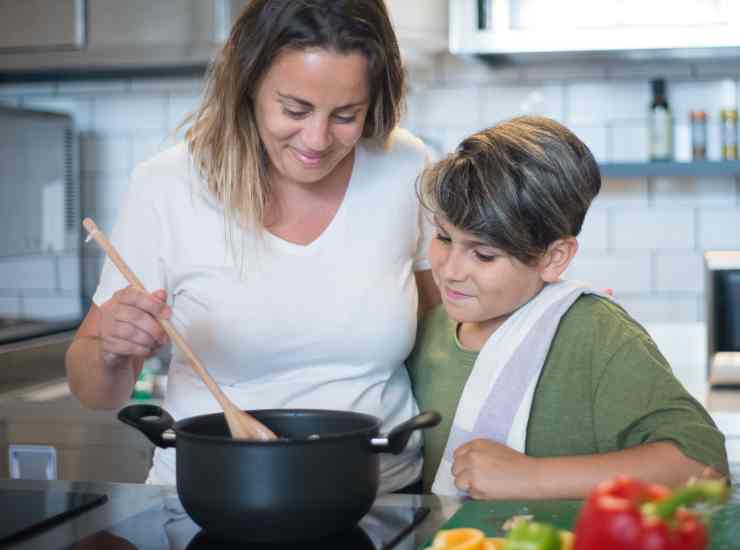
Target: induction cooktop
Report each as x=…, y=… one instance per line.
x=28, y=511
x=163, y=527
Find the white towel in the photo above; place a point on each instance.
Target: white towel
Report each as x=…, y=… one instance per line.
x=498, y=394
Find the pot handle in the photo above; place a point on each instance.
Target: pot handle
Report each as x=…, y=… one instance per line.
x=152, y=421
x=396, y=440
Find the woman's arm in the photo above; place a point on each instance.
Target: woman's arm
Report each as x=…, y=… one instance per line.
x=428, y=291
x=490, y=470
x=108, y=351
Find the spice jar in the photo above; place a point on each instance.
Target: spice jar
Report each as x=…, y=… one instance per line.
x=728, y=125
x=698, y=120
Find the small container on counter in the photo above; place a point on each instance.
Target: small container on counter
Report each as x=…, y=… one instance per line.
x=728, y=130
x=698, y=120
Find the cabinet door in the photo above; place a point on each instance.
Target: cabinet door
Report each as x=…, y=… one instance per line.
x=42, y=24
x=147, y=23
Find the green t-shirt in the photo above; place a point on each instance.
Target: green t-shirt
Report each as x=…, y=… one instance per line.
x=604, y=387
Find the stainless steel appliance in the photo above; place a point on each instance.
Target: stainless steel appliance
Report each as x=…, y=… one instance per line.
x=40, y=237
x=722, y=275
x=635, y=29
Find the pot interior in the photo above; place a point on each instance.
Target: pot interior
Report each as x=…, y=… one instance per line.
x=292, y=424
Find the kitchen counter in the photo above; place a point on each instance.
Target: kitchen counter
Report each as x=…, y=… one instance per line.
x=126, y=500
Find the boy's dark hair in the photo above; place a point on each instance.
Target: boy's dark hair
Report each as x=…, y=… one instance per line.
x=520, y=185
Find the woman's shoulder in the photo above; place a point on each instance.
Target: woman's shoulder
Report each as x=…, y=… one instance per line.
x=169, y=171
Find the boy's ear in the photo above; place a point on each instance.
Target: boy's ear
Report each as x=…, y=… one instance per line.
x=557, y=258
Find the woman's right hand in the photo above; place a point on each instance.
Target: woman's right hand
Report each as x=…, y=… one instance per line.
x=129, y=324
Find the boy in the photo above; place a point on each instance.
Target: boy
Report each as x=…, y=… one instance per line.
x=552, y=386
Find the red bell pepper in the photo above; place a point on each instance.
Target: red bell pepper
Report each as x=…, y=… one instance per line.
x=627, y=514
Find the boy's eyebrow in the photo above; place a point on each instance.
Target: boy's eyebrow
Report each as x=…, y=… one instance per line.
x=304, y=103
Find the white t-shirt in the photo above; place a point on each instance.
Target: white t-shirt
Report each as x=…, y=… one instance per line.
x=325, y=326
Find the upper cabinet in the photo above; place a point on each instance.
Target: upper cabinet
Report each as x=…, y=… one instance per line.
x=63, y=25
x=656, y=28
x=62, y=35
x=83, y=35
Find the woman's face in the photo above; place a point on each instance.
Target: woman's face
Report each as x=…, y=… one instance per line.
x=310, y=108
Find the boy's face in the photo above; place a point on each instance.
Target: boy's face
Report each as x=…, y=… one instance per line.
x=479, y=283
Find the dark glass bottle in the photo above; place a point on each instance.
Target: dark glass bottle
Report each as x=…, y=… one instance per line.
x=660, y=123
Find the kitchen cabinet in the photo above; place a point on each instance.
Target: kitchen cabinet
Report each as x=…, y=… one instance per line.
x=41, y=24
x=161, y=36
x=88, y=445
x=136, y=34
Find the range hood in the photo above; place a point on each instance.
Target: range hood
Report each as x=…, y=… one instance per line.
x=639, y=29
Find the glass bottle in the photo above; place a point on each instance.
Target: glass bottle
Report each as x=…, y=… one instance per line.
x=660, y=123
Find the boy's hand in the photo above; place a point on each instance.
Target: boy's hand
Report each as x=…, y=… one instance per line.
x=488, y=470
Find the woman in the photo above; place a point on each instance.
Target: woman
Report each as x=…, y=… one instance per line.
x=285, y=233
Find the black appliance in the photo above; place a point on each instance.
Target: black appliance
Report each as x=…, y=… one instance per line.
x=722, y=292
x=40, y=235
x=164, y=526
x=23, y=512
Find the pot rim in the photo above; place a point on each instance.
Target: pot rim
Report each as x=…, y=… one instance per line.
x=180, y=428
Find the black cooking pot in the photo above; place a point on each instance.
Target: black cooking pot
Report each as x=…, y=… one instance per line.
x=298, y=487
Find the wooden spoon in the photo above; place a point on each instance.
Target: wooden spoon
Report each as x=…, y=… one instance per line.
x=241, y=424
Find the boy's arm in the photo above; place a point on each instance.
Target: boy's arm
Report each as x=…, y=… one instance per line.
x=490, y=470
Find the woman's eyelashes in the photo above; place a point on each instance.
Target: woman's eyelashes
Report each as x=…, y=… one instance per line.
x=299, y=115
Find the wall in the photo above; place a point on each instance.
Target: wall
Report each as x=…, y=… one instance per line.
x=643, y=237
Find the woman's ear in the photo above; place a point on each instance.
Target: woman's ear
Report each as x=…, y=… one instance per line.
x=557, y=258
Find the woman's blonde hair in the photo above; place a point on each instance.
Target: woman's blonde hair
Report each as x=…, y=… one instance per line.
x=223, y=138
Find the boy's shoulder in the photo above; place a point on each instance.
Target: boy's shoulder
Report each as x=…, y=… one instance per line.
x=602, y=322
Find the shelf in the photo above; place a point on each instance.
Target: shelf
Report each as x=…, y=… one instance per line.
x=707, y=168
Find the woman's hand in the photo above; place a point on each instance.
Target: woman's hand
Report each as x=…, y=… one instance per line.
x=129, y=326
x=490, y=470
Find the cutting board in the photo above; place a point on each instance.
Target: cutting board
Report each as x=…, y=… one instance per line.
x=490, y=516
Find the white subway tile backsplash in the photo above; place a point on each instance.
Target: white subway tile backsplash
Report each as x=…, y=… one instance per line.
x=654, y=229
x=564, y=71
x=628, y=140
x=595, y=231
x=184, y=85
x=648, y=70
x=592, y=102
x=504, y=102
x=679, y=272
x=103, y=191
x=129, y=114
x=471, y=70
x=27, y=89
x=104, y=88
x=178, y=108
x=692, y=96
x=625, y=273
x=28, y=272
x=106, y=154
x=622, y=193
x=719, y=228
x=662, y=309
x=642, y=237
x=595, y=138
x=69, y=271
x=703, y=191
x=52, y=307
x=79, y=108
x=461, y=106
x=145, y=146
x=10, y=306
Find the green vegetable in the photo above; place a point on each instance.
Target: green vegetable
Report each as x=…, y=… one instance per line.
x=531, y=535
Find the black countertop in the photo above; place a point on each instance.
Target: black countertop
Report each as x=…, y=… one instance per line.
x=126, y=500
